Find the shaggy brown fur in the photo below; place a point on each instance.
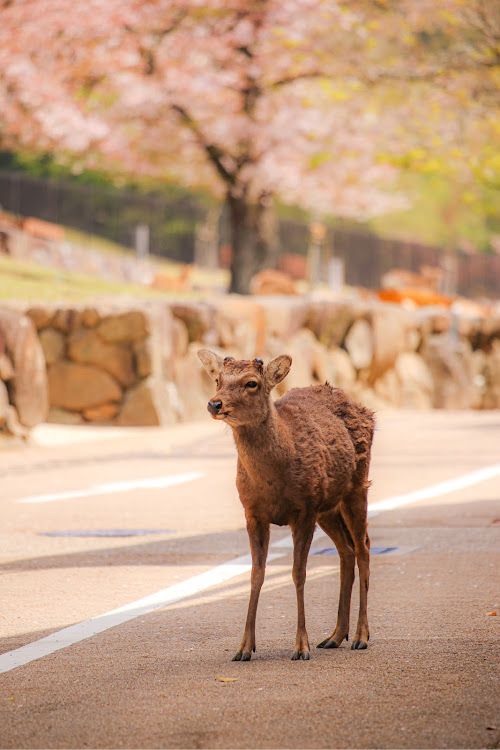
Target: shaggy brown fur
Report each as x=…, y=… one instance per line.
x=302, y=460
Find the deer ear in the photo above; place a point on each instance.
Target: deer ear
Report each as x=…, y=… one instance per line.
x=212, y=363
x=278, y=369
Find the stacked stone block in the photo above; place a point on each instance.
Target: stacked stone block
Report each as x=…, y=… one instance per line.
x=138, y=365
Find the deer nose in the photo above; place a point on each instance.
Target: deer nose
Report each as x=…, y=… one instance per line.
x=214, y=407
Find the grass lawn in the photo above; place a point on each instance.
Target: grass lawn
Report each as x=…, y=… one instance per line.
x=25, y=281
x=21, y=281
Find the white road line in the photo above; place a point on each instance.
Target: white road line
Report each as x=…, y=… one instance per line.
x=426, y=493
x=112, y=487
x=83, y=630
x=435, y=490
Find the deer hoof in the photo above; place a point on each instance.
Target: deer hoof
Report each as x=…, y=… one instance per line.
x=304, y=655
x=333, y=641
x=359, y=645
x=328, y=643
x=242, y=656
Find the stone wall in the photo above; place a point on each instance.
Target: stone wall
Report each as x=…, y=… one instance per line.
x=23, y=380
x=107, y=367
x=139, y=366
x=381, y=353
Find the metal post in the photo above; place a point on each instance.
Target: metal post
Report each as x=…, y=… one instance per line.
x=317, y=237
x=142, y=241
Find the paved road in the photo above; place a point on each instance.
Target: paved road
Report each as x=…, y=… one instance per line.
x=174, y=599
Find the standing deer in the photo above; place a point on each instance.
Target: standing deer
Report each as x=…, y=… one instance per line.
x=302, y=460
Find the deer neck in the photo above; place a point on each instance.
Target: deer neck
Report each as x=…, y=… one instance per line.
x=265, y=446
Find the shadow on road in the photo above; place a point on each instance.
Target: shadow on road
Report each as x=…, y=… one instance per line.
x=190, y=550
x=201, y=549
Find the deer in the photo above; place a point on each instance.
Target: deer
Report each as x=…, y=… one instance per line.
x=303, y=460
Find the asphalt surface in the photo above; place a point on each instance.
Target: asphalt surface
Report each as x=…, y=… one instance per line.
x=163, y=677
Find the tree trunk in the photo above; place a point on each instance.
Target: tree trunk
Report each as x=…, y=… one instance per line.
x=253, y=238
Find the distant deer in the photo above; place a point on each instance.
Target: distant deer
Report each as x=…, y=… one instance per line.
x=302, y=460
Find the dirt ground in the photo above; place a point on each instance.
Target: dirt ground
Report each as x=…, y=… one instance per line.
x=164, y=676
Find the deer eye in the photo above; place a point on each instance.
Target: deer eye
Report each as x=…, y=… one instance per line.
x=217, y=382
x=251, y=385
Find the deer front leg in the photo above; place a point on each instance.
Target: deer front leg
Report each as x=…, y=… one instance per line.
x=302, y=532
x=258, y=534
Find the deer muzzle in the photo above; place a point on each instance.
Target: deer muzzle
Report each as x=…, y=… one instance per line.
x=214, y=407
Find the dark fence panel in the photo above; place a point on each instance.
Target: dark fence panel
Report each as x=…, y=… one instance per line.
x=479, y=275
x=107, y=213
x=173, y=221
x=367, y=257
x=360, y=256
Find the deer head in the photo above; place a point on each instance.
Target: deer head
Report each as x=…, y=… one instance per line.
x=243, y=386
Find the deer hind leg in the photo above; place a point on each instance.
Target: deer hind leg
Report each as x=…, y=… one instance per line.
x=354, y=509
x=258, y=534
x=333, y=524
x=302, y=532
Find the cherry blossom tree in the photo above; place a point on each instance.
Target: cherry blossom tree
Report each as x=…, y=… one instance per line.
x=306, y=100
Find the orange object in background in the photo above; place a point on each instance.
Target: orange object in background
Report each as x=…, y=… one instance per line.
x=170, y=283
x=272, y=281
x=43, y=229
x=418, y=295
x=294, y=265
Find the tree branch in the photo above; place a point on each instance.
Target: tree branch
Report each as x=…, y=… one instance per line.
x=148, y=54
x=298, y=77
x=214, y=153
